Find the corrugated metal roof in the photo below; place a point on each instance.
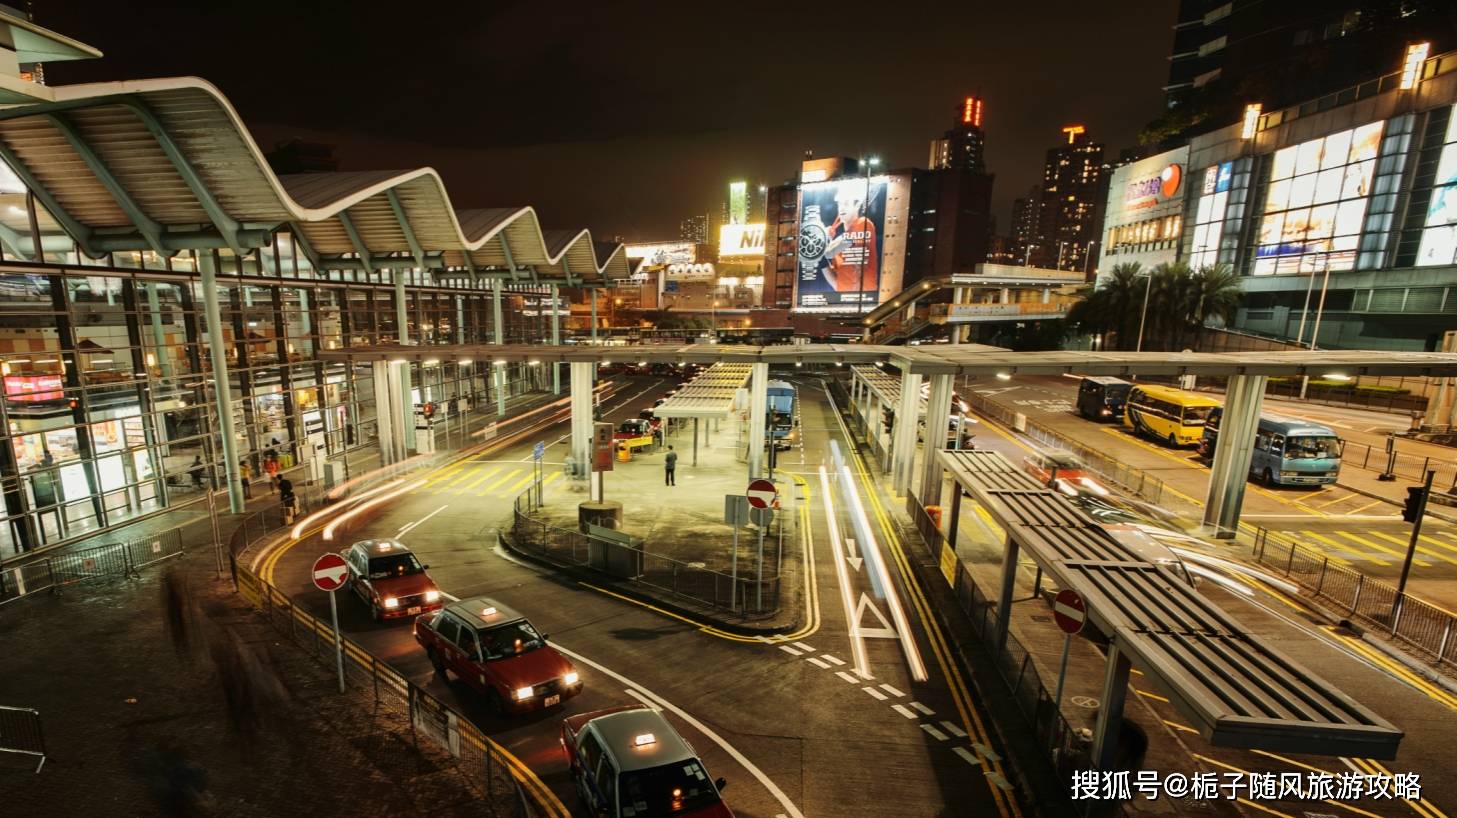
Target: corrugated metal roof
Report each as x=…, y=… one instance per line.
x=113, y=120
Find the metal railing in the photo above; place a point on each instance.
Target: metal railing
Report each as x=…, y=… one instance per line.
x=479, y=757
x=54, y=572
x=1417, y=624
x=1135, y=481
x=1066, y=749
x=1364, y=456
x=576, y=549
x=20, y=732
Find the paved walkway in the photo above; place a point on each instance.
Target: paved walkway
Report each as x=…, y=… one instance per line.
x=168, y=695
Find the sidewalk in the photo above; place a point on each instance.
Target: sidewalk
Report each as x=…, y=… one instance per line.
x=169, y=695
x=686, y=543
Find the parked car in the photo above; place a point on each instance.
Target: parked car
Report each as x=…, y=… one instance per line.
x=629, y=761
x=496, y=651
x=387, y=576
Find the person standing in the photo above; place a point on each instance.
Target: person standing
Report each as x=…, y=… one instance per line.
x=270, y=467
x=670, y=465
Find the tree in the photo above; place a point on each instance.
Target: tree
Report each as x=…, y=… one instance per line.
x=1180, y=302
x=1217, y=295
x=1106, y=307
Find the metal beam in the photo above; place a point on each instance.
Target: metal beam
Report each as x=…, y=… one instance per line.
x=228, y=227
x=354, y=239
x=510, y=260
x=15, y=243
x=302, y=242
x=150, y=228
x=405, y=228
x=78, y=231
x=207, y=239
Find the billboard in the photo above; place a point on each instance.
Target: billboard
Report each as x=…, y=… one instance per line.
x=740, y=240
x=663, y=252
x=840, y=228
x=1439, y=238
x=738, y=202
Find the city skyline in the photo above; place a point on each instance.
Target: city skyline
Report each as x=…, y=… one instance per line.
x=632, y=129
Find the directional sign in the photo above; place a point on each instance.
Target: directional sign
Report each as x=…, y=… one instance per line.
x=1069, y=610
x=762, y=493
x=329, y=572
x=538, y=451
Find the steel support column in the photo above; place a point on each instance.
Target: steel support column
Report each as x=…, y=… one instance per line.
x=580, y=377
x=907, y=419
x=1008, y=586
x=1244, y=396
x=938, y=417
x=593, y=291
x=498, y=327
x=222, y=389
x=556, y=341
x=1110, y=712
x=758, y=405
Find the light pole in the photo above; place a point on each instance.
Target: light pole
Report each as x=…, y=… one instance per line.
x=1087, y=258
x=865, y=241
x=1062, y=245
x=1028, y=254
x=1143, y=314
x=1319, y=309
x=713, y=317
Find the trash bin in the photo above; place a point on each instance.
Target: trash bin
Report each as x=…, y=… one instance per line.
x=934, y=512
x=624, y=452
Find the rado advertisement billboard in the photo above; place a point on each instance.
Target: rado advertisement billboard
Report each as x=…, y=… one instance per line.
x=841, y=225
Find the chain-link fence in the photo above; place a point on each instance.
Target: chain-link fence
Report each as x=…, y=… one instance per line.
x=1422, y=627
x=630, y=560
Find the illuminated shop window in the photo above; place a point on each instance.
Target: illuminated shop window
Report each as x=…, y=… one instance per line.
x=1439, y=233
x=1316, y=202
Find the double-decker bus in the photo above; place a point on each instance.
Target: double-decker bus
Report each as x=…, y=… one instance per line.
x=1171, y=415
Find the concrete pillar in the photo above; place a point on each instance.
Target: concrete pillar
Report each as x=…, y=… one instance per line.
x=581, y=386
x=460, y=319
x=1008, y=587
x=758, y=408
x=1231, y=467
x=384, y=401
x=938, y=417
x=593, y=291
x=498, y=327
x=907, y=418
x=222, y=387
x=159, y=337
x=556, y=340
x=1110, y=712
x=402, y=329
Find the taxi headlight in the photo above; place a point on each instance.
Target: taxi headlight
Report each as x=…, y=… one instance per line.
x=523, y=693
x=571, y=677
x=391, y=602
x=432, y=596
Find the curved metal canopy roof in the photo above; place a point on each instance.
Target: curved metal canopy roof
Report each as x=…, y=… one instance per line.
x=167, y=164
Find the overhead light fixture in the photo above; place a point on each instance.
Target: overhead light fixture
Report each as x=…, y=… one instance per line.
x=1336, y=376
x=1004, y=376
x=1251, y=121
x=463, y=362
x=1411, y=69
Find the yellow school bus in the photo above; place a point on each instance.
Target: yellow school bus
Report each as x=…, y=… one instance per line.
x=1164, y=413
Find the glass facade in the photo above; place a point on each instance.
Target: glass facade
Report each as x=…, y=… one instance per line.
x=1438, y=243
x=108, y=409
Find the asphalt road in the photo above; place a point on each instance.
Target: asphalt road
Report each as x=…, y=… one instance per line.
x=791, y=724
x=1351, y=528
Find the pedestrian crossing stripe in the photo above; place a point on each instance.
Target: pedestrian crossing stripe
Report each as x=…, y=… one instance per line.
x=1343, y=547
x=1406, y=542
x=1378, y=546
x=481, y=478
x=465, y=474
x=521, y=484
x=502, y=481
x=446, y=473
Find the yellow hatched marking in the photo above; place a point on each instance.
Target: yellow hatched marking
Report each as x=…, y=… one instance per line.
x=1404, y=542
x=1344, y=547
x=499, y=483
x=485, y=473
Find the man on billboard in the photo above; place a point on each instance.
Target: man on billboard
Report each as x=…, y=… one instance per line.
x=854, y=264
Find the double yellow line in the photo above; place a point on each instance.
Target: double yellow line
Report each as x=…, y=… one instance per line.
x=970, y=719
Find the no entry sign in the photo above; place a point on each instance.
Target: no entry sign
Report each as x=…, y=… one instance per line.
x=761, y=493
x=1069, y=610
x=329, y=572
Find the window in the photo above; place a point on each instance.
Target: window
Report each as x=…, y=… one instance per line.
x=1209, y=215
x=394, y=565
x=448, y=628
x=591, y=752
x=1439, y=234
x=1315, y=203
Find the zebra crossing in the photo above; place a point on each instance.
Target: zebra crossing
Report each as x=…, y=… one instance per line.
x=485, y=478
x=1436, y=546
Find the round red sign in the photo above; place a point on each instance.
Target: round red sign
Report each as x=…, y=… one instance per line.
x=761, y=493
x=330, y=572
x=1069, y=610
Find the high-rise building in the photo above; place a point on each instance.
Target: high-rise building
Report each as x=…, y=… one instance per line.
x=1070, y=202
x=1024, y=223
x=1226, y=54
x=964, y=145
x=694, y=229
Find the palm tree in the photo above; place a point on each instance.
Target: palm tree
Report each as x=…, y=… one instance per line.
x=1216, y=295
x=1168, y=299
x=1106, y=306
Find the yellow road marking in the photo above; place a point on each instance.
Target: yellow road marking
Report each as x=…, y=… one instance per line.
x=1339, y=498
x=1423, y=808
x=1437, y=542
x=709, y=629
x=1400, y=555
x=1433, y=692
x=484, y=475
x=1147, y=695
x=1404, y=543
x=1344, y=806
x=1262, y=807
x=1360, y=509
x=1342, y=546
x=1181, y=727
x=447, y=471
x=459, y=479
x=520, y=484
x=510, y=474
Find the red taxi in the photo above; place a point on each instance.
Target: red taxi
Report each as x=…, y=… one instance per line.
x=390, y=579
x=496, y=651
x=628, y=762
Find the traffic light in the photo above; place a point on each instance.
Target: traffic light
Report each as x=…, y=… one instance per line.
x=429, y=410
x=72, y=403
x=1413, y=508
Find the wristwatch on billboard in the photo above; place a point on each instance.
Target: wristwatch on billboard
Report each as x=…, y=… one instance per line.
x=813, y=238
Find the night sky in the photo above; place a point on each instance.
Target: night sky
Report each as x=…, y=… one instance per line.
x=626, y=117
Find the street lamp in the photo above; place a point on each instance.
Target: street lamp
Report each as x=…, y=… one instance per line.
x=1143, y=315
x=1027, y=255
x=1060, y=247
x=714, y=318
x=865, y=241
x=1089, y=256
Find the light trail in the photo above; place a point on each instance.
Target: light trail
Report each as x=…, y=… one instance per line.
x=857, y=642
x=368, y=504
x=302, y=525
